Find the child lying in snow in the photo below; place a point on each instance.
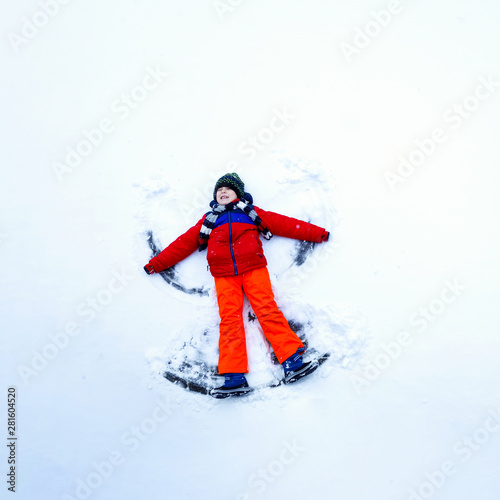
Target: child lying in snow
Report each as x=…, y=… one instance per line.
x=237, y=263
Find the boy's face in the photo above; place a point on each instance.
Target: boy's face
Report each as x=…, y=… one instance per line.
x=225, y=195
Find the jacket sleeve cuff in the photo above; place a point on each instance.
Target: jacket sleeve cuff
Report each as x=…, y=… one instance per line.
x=156, y=265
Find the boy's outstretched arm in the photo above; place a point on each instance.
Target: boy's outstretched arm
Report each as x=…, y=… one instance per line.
x=178, y=250
x=281, y=225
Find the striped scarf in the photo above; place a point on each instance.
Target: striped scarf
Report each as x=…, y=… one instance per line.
x=218, y=210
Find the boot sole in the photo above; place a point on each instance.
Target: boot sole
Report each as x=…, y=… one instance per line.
x=218, y=394
x=307, y=369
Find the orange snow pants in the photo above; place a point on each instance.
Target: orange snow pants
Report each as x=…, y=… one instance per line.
x=256, y=285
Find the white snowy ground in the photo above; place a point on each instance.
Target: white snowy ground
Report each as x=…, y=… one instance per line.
x=378, y=119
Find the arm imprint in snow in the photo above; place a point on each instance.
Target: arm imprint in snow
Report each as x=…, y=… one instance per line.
x=170, y=275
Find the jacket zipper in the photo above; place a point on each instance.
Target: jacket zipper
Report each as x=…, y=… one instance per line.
x=231, y=243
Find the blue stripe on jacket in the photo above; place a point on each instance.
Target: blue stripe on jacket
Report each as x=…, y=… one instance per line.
x=235, y=217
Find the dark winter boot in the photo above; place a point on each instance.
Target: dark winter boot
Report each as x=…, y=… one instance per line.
x=295, y=368
x=235, y=384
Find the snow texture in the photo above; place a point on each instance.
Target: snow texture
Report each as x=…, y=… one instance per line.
x=378, y=121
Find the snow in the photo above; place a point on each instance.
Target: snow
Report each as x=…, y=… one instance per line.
x=378, y=121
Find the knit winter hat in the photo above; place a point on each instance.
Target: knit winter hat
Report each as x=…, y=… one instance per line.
x=232, y=181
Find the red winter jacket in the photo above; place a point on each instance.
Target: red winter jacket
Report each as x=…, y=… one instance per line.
x=234, y=246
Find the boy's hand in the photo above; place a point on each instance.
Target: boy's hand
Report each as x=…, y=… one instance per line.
x=149, y=269
x=325, y=236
